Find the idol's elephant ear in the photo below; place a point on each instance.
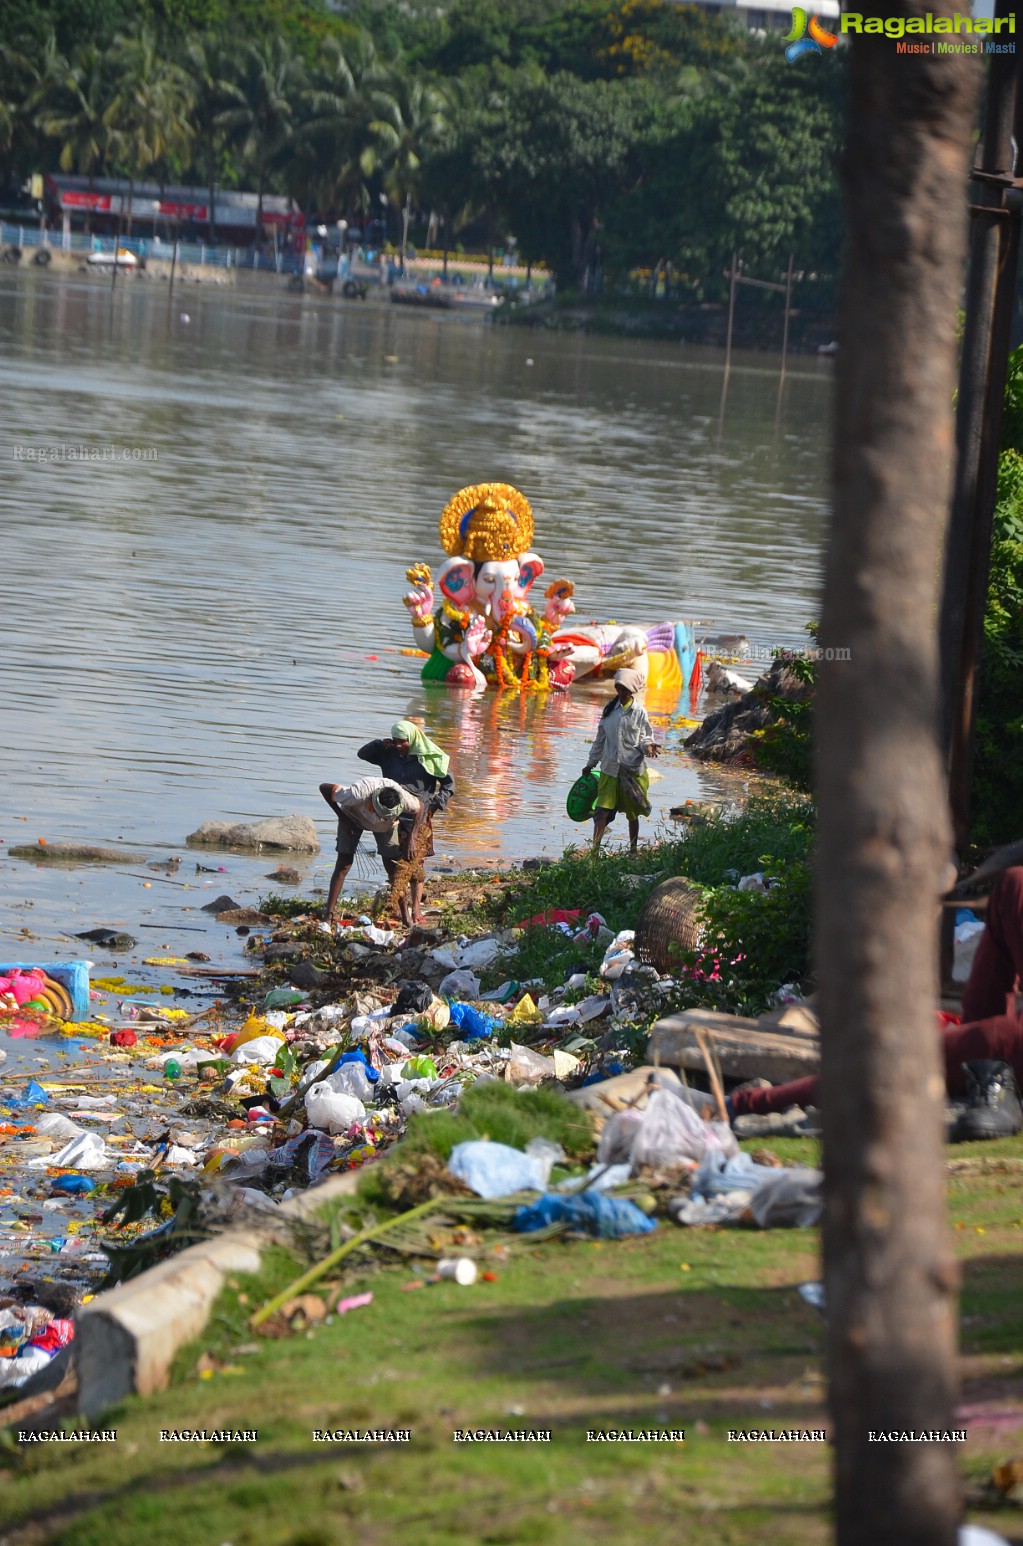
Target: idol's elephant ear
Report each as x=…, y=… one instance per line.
x=457, y=582
x=530, y=569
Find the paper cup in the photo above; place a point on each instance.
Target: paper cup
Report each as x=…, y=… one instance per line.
x=459, y=1269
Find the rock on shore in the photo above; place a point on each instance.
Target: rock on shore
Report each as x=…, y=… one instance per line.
x=294, y=832
x=724, y=735
x=74, y=853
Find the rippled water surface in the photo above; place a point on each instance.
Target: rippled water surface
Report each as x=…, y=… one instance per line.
x=214, y=632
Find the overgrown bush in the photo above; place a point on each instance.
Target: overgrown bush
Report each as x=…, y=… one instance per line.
x=755, y=941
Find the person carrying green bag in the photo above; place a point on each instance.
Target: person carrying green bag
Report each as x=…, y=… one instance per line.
x=624, y=740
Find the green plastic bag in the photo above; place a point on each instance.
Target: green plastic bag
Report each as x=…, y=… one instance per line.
x=582, y=797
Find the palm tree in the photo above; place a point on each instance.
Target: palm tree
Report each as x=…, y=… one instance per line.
x=148, y=114
x=74, y=112
x=265, y=97
x=410, y=119
x=338, y=111
x=211, y=92
x=33, y=68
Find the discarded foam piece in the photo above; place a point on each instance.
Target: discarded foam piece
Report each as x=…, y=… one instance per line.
x=128, y=1338
x=612, y=1094
x=745, y=1049
x=72, y=975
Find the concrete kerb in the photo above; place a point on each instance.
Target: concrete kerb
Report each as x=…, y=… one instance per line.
x=127, y=1338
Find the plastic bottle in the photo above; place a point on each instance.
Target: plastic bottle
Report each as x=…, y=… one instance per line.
x=172, y=1069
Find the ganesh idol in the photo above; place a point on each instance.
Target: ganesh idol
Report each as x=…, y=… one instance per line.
x=486, y=630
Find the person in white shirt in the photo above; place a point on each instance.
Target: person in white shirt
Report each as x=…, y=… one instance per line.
x=624, y=739
x=370, y=805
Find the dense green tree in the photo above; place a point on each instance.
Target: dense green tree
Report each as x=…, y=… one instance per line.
x=409, y=119
x=209, y=72
x=262, y=115
x=339, y=108
x=74, y=111
x=147, y=114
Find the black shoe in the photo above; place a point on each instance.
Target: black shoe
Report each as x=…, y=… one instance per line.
x=993, y=1108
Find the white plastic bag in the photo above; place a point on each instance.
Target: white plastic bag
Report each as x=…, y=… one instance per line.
x=497, y=1170
x=481, y=953
x=88, y=1152
x=670, y=1134
x=352, y=1079
x=790, y=1199
x=462, y=984
x=330, y=1111
x=618, y=955
x=261, y=1049
x=528, y=1067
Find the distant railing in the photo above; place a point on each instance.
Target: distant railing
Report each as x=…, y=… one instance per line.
x=363, y=264
x=27, y=236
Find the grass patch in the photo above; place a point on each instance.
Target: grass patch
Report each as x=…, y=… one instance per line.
x=702, y=1330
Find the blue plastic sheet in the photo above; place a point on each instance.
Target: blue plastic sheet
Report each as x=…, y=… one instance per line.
x=472, y=1022
x=74, y=1184
x=608, y=1218
x=358, y=1056
x=32, y=1095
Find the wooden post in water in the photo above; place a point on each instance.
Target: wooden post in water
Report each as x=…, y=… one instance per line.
x=733, y=276
x=788, y=307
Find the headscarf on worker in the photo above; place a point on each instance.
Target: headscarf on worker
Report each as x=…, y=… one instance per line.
x=429, y=753
x=630, y=679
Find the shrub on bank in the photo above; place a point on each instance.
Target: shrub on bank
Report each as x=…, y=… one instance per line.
x=754, y=941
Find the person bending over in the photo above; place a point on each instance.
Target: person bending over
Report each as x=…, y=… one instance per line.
x=415, y=762
x=371, y=805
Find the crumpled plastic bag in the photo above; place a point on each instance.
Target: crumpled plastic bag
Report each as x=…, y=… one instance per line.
x=88, y=1152
x=618, y=955
x=591, y=1213
x=352, y=1078
x=617, y=1138
x=262, y=1049
x=525, y=1012
x=472, y=1022
x=331, y=1111
x=480, y=953
x=53, y=1125
x=789, y=1199
x=725, y=1208
x=460, y=983
x=497, y=1170
x=672, y=1134
x=718, y=1173
x=528, y=1067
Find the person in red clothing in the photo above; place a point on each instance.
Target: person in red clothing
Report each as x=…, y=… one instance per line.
x=991, y=1029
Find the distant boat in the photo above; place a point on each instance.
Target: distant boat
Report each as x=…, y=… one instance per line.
x=443, y=297
x=124, y=259
x=831, y=348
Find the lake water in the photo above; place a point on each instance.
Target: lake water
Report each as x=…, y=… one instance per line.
x=214, y=632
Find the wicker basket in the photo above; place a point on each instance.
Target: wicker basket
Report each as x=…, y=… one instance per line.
x=669, y=924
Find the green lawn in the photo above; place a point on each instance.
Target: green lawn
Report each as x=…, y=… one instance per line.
x=701, y=1330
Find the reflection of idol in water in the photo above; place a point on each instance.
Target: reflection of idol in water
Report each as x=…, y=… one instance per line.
x=512, y=756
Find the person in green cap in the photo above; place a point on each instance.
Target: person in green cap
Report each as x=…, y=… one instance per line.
x=624, y=739
x=419, y=765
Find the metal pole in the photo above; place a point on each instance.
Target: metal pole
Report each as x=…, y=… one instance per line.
x=788, y=303
x=990, y=298
x=733, y=275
